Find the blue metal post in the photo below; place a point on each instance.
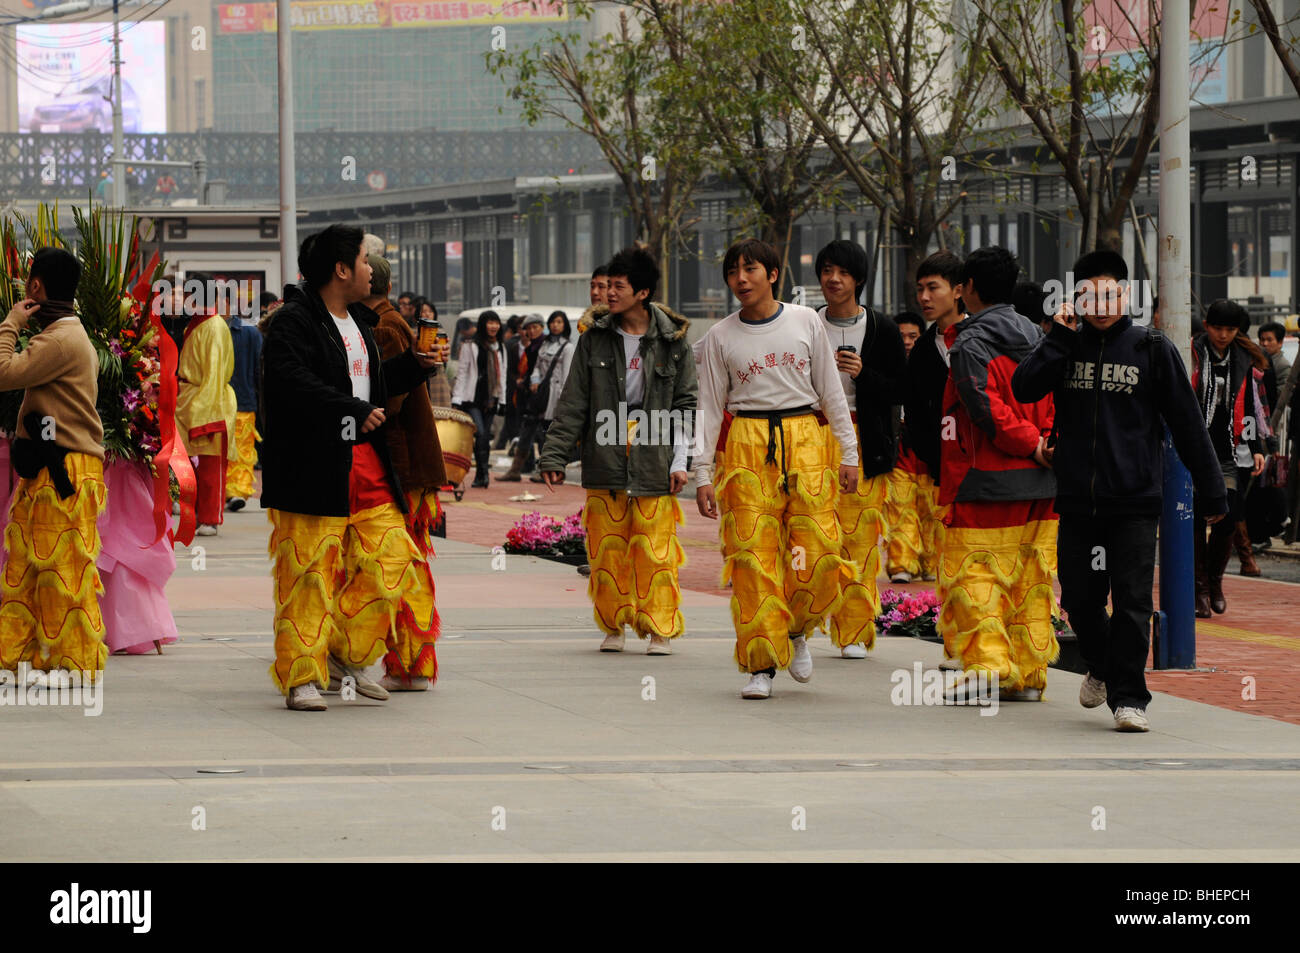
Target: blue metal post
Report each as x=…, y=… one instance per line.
x=1175, y=641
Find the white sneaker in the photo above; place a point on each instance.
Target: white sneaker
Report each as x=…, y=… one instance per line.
x=758, y=686
x=951, y=665
x=856, y=650
x=928, y=577
x=658, y=646
x=901, y=577
x=613, y=643
x=206, y=529
x=1092, y=692
x=801, y=664
x=305, y=698
x=1131, y=719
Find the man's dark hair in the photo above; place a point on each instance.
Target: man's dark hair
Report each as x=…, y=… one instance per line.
x=944, y=264
x=1100, y=264
x=322, y=251
x=909, y=317
x=848, y=255
x=1030, y=299
x=513, y=323
x=1227, y=314
x=59, y=272
x=407, y=295
x=751, y=249
x=994, y=271
x=602, y=271
x=1272, y=327
x=268, y=298
x=638, y=266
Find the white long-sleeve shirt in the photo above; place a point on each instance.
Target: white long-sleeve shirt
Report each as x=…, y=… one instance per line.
x=784, y=362
x=467, y=373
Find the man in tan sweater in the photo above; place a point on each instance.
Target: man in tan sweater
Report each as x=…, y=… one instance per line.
x=49, y=605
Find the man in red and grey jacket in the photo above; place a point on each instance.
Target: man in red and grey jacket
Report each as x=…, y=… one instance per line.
x=999, y=548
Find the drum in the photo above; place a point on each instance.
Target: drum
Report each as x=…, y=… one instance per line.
x=456, y=434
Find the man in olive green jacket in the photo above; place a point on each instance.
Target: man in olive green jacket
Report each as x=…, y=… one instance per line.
x=630, y=400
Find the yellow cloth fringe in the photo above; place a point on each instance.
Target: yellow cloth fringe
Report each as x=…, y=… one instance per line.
x=635, y=556
x=49, y=595
x=998, y=601
x=862, y=523
x=243, y=454
x=782, y=552
x=915, y=521
x=411, y=652
x=339, y=584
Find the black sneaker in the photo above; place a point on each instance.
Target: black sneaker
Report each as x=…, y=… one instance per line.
x=235, y=504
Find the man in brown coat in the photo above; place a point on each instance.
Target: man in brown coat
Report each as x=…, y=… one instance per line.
x=411, y=663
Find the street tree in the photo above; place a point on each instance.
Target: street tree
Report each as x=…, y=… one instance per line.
x=613, y=89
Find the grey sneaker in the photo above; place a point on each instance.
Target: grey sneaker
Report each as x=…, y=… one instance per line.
x=855, y=650
x=951, y=665
x=1131, y=719
x=1092, y=693
x=365, y=685
x=305, y=698
x=613, y=643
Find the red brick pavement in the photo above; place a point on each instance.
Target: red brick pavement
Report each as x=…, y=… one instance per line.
x=1257, y=638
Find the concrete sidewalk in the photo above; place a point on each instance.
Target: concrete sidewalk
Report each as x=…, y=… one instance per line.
x=534, y=746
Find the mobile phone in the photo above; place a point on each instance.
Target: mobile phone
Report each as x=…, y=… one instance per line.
x=846, y=347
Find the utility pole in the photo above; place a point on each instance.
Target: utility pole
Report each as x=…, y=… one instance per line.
x=119, y=164
x=288, y=189
x=1175, y=641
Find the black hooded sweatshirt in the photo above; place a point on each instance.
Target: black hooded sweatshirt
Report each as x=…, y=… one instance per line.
x=1115, y=390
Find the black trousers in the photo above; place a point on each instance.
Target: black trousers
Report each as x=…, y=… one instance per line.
x=1116, y=556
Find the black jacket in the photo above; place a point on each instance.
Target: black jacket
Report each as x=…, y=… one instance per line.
x=878, y=388
x=1114, y=393
x=308, y=409
x=927, y=373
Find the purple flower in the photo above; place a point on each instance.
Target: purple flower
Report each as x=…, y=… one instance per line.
x=116, y=348
x=132, y=399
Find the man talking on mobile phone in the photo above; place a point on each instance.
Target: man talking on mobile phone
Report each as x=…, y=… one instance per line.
x=871, y=361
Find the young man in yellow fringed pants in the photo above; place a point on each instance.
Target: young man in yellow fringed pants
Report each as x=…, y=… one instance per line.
x=768, y=365
x=49, y=597
x=870, y=359
x=912, y=507
x=246, y=342
x=343, y=557
x=999, y=548
x=630, y=398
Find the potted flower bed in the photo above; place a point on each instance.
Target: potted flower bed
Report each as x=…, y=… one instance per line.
x=535, y=534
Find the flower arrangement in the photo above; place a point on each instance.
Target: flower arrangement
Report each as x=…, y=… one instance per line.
x=917, y=614
x=903, y=614
x=113, y=302
x=535, y=534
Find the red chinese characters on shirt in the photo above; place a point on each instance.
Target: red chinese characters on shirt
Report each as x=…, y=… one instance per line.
x=745, y=375
x=359, y=365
